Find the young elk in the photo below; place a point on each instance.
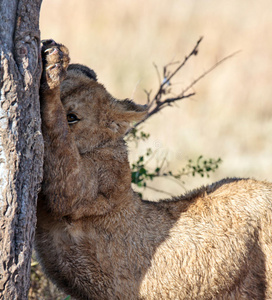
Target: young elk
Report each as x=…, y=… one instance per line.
x=96, y=239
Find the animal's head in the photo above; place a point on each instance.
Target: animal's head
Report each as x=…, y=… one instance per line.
x=94, y=116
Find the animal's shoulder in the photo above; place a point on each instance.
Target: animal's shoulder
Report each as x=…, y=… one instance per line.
x=229, y=194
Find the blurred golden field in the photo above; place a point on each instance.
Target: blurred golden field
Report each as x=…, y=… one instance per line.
x=231, y=114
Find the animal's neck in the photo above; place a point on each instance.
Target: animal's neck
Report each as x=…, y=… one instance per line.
x=114, y=174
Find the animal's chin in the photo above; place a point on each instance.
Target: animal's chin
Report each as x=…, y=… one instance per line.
x=86, y=148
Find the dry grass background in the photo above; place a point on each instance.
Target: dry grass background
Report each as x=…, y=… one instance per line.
x=230, y=116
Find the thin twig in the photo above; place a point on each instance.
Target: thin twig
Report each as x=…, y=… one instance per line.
x=193, y=52
x=148, y=95
x=157, y=71
x=162, y=163
x=160, y=191
x=161, y=105
x=177, y=181
x=157, y=100
x=150, y=157
x=208, y=71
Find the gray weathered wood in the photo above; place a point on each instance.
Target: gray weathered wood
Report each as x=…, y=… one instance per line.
x=21, y=145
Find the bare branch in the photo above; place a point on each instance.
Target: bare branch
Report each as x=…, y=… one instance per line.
x=162, y=97
x=167, y=78
x=193, y=52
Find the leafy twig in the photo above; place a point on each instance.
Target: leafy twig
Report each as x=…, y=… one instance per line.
x=141, y=173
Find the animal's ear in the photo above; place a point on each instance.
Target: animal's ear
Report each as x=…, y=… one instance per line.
x=126, y=112
x=84, y=70
x=131, y=111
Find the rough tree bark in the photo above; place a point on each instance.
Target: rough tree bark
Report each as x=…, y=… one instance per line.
x=21, y=145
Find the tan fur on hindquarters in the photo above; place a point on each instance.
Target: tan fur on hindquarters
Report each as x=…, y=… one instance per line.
x=97, y=239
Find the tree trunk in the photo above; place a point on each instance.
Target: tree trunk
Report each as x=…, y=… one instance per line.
x=21, y=144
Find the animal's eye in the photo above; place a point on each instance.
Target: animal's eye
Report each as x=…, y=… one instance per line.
x=72, y=118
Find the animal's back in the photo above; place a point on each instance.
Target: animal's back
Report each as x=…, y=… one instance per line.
x=220, y=246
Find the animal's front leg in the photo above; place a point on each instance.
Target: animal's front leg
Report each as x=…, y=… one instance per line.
x=67, y=183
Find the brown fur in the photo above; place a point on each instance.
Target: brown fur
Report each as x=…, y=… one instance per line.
x=97, y=239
